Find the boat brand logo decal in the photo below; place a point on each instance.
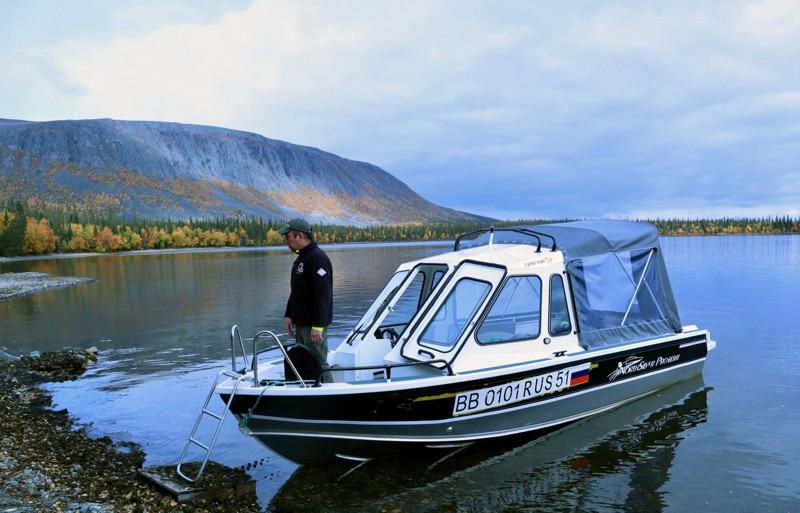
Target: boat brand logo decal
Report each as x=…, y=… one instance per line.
x=517, y=391
x=541, y=261
x=633, y=364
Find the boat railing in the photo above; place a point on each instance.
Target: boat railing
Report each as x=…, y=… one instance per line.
x=387, y=368
x=236, y=336
x=520, y=230
x=253, y=365
x=283, y=350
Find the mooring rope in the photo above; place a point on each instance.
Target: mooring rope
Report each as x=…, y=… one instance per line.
x=270, y=384
x=246, y=417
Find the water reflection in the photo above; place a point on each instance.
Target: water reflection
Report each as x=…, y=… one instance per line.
x=616, y=461
x=182, y=302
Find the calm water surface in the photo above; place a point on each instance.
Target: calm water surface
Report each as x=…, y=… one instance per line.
x=726, y=442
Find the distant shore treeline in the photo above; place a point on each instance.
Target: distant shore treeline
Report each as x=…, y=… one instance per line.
x=25, y=231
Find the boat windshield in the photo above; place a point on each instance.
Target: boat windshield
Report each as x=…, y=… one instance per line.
x=399, y=301
x=379, y=305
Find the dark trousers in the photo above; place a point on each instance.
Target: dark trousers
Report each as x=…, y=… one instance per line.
x=303, y=336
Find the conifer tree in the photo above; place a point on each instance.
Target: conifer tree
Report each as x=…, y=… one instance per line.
x=14, y=235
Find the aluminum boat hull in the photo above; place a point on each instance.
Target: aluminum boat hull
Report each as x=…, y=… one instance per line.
x=364, y=421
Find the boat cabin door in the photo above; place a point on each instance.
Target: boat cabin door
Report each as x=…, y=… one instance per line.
x=440, y=332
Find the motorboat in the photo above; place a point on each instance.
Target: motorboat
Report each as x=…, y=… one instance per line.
x=516, y=330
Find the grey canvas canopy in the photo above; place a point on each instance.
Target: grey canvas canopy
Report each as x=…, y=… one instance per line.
x=620, y=284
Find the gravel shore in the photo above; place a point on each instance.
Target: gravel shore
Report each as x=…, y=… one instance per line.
x=46, y=465
x=20, y=284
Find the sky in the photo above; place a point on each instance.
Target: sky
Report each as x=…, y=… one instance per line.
x=527, y=109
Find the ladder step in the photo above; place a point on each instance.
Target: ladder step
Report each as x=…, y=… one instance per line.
x=199, y=443
x=212, y=414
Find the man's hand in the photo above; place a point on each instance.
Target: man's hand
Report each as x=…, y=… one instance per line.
x=316, y=336
x=287, y=322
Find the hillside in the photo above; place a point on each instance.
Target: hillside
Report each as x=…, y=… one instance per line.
x=178, y=171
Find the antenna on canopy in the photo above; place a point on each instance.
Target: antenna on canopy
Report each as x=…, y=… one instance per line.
x=491, y=235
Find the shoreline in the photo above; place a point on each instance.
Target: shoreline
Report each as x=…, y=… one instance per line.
x=47, y=463
x=223, y=249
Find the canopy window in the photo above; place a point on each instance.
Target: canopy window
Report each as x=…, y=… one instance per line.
x=619, y=297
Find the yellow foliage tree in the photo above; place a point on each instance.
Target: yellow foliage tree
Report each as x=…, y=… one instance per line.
x=274, y=238
x=179, y=239
x=156, y=238
x=39, y=238
x=215, y=239
x=82, y=238
x=131, y=239
x=191, y=237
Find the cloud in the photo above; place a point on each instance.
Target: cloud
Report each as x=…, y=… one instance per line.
x=515, y=110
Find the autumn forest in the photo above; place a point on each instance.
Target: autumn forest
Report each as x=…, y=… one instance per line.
x=30, y=231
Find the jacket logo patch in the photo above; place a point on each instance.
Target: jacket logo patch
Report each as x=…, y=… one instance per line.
x=322, y=272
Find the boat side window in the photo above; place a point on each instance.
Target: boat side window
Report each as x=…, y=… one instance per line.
x=559, y=314
x=455, y=313
x=437, y=277
x=515, y=314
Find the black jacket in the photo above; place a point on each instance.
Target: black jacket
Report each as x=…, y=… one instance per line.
x=311, y=298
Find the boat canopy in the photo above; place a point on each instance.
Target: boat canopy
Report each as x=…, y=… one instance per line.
x=619, y=280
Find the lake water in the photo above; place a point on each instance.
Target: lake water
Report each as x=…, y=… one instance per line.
x=724, y=443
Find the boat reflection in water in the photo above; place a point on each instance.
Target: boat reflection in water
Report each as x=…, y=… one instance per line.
x=618, y=461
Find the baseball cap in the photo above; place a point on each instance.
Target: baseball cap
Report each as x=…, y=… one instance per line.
x=296, y=225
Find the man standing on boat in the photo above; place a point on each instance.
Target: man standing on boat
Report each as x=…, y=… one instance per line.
x=309, y=309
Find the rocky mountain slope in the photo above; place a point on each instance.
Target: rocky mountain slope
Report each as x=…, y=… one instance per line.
x=179, y=171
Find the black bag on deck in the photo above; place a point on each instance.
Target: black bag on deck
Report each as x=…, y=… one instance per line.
x=304, y=361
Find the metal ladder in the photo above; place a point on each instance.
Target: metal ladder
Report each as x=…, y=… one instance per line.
x=219, y=417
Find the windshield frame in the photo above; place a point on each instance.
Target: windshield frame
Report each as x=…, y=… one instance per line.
x=435, y=274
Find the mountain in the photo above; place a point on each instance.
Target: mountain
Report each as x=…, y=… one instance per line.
x=179, y=171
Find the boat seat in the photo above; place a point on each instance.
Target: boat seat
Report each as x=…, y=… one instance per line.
x=497, y=330
x=304, y=361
